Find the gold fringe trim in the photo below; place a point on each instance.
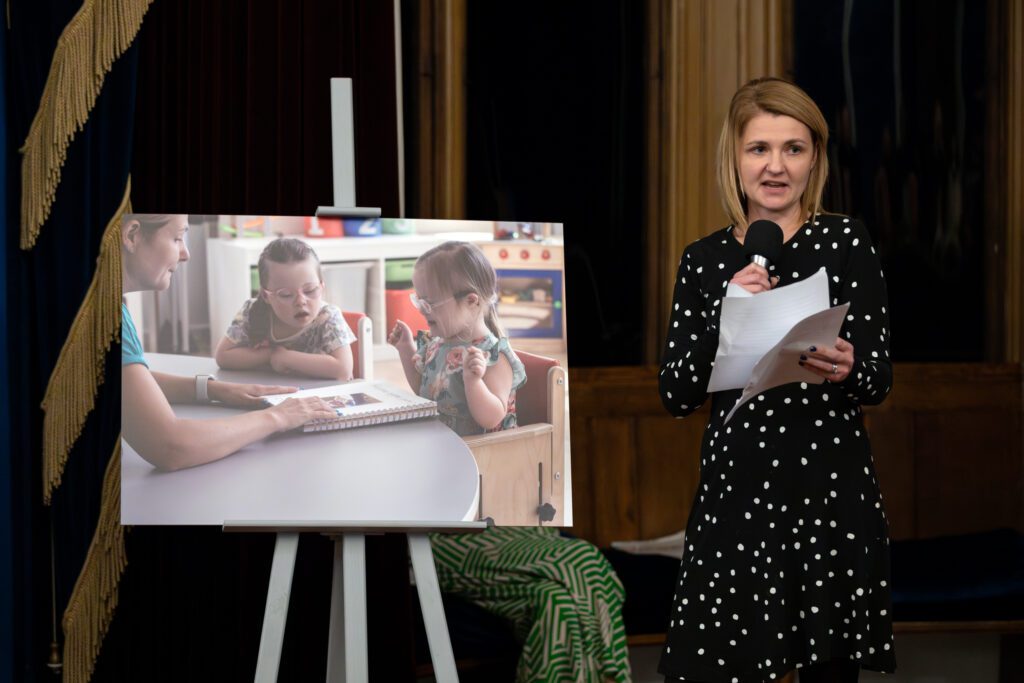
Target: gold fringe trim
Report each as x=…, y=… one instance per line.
x=78, y=373
x=94, y=597
x=97, y=35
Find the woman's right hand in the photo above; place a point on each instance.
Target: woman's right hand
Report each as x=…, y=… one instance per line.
x=401, y=338
x=754, y=279
x=295, y=412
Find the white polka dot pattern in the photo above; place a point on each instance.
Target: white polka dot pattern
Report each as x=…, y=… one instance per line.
x=786, y=558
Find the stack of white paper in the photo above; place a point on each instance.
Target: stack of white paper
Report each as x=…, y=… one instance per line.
x=761, y=337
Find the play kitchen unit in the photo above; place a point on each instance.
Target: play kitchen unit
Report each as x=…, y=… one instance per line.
x=374, y=275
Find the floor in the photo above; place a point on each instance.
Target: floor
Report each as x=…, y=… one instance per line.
x=921, y=658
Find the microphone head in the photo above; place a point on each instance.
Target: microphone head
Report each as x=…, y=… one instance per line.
x=764, y=238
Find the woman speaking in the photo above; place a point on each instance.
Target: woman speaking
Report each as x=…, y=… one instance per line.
x=786, y=562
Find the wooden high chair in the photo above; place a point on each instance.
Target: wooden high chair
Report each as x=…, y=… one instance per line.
x=362, y=347
x=522, y=470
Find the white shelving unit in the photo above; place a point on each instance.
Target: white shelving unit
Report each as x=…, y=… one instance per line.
x=229, y=266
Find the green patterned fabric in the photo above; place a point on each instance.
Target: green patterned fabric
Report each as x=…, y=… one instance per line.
x=561, y=595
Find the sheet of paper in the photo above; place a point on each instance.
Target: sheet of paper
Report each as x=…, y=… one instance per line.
x=780, y=365
x=751, y=326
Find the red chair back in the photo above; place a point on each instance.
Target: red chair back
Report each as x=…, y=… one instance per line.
x=352, y=319
x=532, y=397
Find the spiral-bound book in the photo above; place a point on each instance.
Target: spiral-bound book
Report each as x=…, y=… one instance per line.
x=363, y=403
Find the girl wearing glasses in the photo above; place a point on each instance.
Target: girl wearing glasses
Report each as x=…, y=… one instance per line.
x=465, y=364
x=289, y=326
x=561, y=595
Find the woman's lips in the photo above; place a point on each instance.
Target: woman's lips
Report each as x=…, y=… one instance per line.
x=301, y=315
x=774, y=187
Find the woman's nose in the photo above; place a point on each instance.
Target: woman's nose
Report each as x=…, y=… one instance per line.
x=183, y=254
x=775, y=162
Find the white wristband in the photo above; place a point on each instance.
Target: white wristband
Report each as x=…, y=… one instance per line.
x=202, y=390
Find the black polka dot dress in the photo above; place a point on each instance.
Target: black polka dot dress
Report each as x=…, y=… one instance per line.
x=786, y=562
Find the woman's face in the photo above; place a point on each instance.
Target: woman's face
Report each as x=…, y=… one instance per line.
x=775, y=159
x=151, y=257
x=294, y=291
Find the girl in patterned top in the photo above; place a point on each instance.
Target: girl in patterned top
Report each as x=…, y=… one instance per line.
x=560, y=594
x=465, y=364
x=289, y=326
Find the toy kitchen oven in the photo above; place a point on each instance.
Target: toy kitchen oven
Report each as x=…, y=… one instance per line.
x=531, y=293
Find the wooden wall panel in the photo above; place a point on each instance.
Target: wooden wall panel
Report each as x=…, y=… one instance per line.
x=615, y=494
x=968, y=473
x=666, y=477
x=946, y=444
x=892, y=447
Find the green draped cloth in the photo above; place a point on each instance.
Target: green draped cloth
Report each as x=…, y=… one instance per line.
x=560, y=594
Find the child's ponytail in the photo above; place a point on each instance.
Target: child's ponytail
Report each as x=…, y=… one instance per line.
x=491, y=318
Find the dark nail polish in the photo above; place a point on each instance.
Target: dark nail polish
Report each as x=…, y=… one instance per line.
x=813, y=349
x=800, y=363
x=803, y=357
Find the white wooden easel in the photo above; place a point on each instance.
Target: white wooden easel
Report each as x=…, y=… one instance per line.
x=347, y=658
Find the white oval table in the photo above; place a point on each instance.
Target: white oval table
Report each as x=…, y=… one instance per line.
x=412, y=477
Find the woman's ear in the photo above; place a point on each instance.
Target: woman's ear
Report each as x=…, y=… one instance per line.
x=473, y=299
x=131, y=231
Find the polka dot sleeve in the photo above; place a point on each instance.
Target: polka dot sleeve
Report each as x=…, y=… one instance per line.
x=691, y=344
x=867, y=321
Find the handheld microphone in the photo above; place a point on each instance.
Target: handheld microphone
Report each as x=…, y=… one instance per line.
x=763, y=243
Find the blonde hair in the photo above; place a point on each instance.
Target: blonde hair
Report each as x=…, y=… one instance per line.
x=150, y=223
x=460, y=268
x=781, y=98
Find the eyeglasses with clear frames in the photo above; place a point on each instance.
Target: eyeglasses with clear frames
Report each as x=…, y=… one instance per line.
x=425, y=307
x=310, y=290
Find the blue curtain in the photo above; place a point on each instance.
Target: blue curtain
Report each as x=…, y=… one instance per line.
x=6, y=548
x=47, y=285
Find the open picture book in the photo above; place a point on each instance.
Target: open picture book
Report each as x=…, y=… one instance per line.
x=363, y=403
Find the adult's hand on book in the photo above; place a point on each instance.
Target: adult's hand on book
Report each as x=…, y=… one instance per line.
x=244, y=395
x=295, y=412
x=834, y=363
x=754, y=279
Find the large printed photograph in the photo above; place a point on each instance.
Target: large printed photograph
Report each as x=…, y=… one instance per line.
x=296, y=369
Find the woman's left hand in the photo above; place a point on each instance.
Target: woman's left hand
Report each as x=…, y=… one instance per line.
x=244, y=395
x=834, y=363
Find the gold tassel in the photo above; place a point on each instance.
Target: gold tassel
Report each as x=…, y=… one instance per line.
x=93, y=599
x=97, y=35
x=78, y=373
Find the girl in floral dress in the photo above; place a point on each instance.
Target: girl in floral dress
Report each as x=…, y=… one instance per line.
x=561, y=595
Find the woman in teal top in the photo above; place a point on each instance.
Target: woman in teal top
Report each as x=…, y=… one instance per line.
x=152, y=247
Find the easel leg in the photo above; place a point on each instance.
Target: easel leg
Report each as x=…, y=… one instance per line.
x=347, y=658
x=336, y=634
x=278, y=593
x=432, y=608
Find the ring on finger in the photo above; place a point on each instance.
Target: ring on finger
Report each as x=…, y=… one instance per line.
x=835, y=369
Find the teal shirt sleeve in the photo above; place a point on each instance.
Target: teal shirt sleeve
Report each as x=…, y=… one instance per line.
x=502, y=348
x=131, y=347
